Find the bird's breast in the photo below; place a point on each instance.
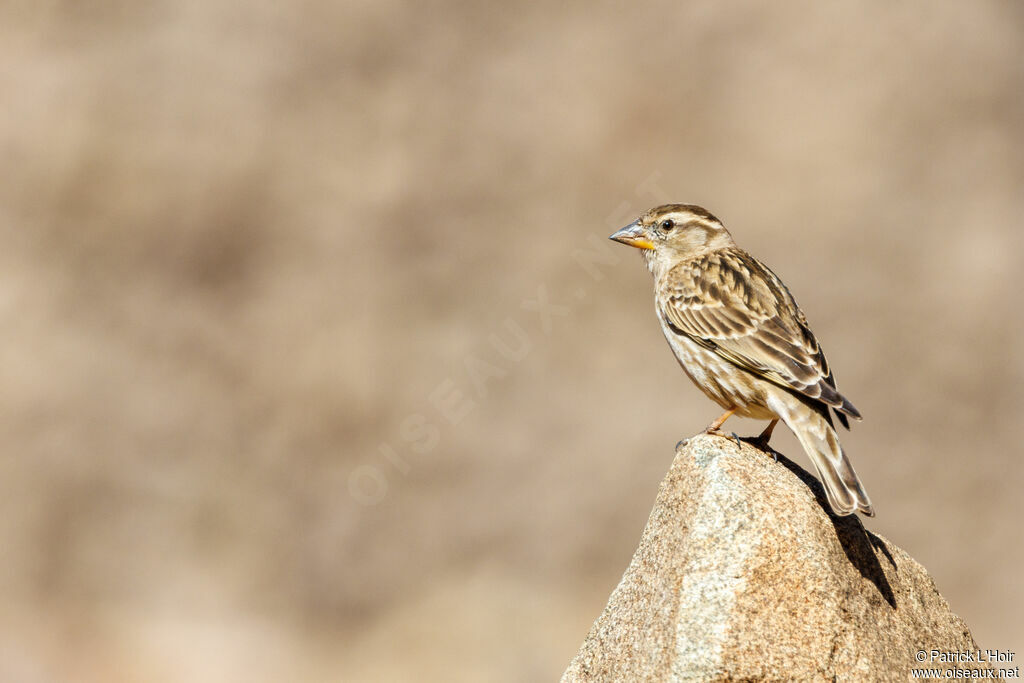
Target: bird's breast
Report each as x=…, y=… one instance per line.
x=721, y=381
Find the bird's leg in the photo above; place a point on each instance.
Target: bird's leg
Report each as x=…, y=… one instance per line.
x=715, y=426
x=761, y=442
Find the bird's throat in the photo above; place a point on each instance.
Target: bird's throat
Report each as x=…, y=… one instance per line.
x=650, y=258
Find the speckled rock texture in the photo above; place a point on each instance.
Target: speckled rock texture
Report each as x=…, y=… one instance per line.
x=743, y=574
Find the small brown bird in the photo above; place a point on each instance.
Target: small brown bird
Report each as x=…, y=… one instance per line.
x=739, y=335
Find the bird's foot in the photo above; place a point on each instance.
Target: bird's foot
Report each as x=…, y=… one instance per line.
x=731, y=436
x=760, y=442
x=716, y=426
x=762, y=445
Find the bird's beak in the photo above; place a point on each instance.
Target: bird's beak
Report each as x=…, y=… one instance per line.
x=634, y=235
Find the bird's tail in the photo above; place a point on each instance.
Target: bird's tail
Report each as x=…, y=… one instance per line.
x=845, y=493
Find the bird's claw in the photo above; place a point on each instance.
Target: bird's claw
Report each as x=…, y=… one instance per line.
x=732, y=436
x=762, y=445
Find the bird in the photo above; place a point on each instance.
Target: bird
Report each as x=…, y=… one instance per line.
x=740, y=336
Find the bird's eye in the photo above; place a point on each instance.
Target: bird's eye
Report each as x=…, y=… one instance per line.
x=667, y=224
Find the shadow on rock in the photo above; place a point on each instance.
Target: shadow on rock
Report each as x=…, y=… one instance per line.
x=860, y=545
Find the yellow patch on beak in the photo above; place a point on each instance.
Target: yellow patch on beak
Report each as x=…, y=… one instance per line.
x=633, y=235
x=639, y=242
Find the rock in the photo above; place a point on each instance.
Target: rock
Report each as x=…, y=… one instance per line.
x=743, y=573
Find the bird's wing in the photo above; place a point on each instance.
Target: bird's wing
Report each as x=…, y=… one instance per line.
x=731, y=304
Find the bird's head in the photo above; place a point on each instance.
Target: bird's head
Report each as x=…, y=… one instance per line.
x=674, y=232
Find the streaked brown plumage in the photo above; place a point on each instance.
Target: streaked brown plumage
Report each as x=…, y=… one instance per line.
x=740, y=336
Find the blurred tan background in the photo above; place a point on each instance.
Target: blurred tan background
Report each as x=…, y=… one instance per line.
x=255, y=258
